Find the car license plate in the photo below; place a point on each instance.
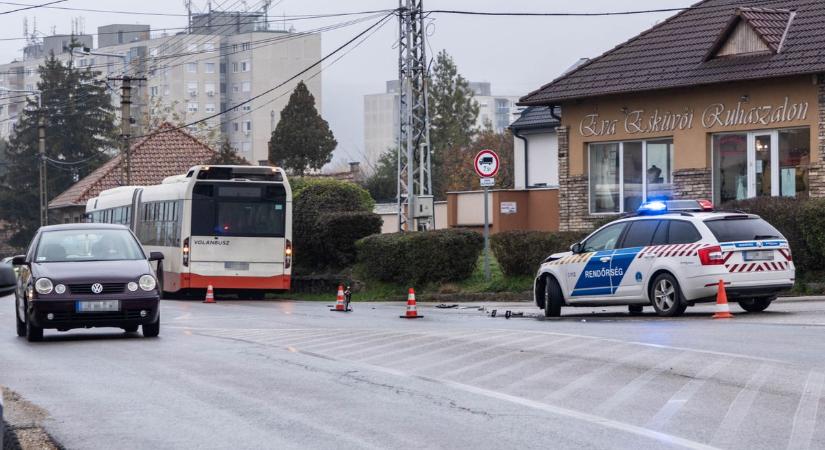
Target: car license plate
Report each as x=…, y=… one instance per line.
x=236, y=265
x=759, y=255
x=97, y=306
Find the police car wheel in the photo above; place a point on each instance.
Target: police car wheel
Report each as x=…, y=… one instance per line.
x=666, y=297
x=755, y=304
x=552, y=298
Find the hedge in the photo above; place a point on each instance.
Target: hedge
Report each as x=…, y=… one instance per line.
x=420, y=258
x=521, y=252
x=328, y=217
x=800, y=221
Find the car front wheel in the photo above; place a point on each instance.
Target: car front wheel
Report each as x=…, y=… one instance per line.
x=33, y=333
x=21, y=326
x=553, y=298
x=151, y=330
x=755, y=304
x=666, y=296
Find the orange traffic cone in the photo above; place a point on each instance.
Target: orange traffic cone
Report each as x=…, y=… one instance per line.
x=210, y=295
x=412, y=313
x=722, y=308
x=339, y=302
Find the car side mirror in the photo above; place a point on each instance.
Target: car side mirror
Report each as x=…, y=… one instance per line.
x=576, y=248
x=156, y=256
x=18, y=260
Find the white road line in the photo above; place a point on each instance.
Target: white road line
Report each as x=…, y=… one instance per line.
x=490, y=349
x=678, y=400
x=804, y=421
x=590, y=378
x=725, y=435
x=440, y=347
x=631, y=388
x=660, y=437
x=516, y=368
x=474, y=344
x=335, y=337
x=439, y=340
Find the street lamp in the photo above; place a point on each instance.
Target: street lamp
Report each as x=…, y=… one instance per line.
x=41, y=143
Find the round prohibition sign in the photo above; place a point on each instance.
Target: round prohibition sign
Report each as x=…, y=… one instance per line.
x=486, y=163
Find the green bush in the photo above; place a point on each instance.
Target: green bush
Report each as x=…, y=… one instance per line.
x=800, y=221
x=328, y=217
x=521, y=252
x=420, y=258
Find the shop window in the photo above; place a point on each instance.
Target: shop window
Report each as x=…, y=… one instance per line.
x=625, y=174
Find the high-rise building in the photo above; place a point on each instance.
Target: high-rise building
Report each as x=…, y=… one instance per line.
x=222, y=60
x=381, y=116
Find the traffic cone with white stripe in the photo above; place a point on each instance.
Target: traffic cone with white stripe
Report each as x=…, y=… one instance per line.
x=339, y=301
x=412, y=312
x=722, y=308
x=210, y=295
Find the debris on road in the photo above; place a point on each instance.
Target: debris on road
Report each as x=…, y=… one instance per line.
x=444, y=306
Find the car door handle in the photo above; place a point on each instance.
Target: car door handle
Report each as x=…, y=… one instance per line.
x=649, y=255
x=604, y=259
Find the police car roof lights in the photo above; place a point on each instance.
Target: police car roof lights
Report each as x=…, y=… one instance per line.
x=665, y=206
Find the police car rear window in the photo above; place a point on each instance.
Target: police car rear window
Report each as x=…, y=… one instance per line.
x=682, y=232
x=741, y=228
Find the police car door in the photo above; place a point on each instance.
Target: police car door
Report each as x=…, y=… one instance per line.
x=630, y=265
x=591, y=278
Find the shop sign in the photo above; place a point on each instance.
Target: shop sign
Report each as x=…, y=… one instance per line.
x=509, y=207
x=640, y=121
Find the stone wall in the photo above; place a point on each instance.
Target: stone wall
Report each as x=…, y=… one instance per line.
x=573, y=199
x=692, y=184
x=816, y=173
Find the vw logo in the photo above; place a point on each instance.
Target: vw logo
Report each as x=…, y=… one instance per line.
x=97, y=288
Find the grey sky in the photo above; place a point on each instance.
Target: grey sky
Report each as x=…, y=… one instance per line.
x=515, y=54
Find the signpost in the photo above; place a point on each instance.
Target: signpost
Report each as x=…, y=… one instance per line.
x=486, y=165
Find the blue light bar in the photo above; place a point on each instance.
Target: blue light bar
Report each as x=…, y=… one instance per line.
x=665, y=206
x=653, y=207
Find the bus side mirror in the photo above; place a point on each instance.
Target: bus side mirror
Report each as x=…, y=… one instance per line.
x=156, y=256
x=18, y=260
x=576, y=248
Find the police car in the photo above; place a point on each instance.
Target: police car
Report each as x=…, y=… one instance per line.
x=671, y=254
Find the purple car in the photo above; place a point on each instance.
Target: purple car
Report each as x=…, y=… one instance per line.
x=86, y=275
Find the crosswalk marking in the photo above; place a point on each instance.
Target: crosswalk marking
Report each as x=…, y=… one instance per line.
x=804, y=421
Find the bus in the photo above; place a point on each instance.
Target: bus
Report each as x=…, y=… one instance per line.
x=229, y=227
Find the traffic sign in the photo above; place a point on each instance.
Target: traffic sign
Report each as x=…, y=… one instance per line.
x=486, y=163
x=488, y=182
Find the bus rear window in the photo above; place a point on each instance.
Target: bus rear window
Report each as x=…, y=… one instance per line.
x=742, y=228
x=232, y=210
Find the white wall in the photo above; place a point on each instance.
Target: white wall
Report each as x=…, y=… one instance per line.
x=543, y=160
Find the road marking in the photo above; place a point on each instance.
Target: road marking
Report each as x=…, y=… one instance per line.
x=630, y=389
x=527, y=359
x=410, y=355
x=725, y=435
x=476, y=352
x=589, y=379
x=804, y=421
x=678, y=400
x=439, y=340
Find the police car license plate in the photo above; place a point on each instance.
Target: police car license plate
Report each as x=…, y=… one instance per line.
x=97, y=306
x=759, y=255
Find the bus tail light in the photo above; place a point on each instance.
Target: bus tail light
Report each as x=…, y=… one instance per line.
x=186, y=252
x=711, y=256
x=288, y=254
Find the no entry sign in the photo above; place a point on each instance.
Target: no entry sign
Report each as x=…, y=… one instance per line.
x=486, y=163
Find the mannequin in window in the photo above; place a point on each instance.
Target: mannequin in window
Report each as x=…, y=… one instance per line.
x=654, y=175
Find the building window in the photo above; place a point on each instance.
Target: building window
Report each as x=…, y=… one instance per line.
x=246, y=86
x=166, y=90
x=210, y=107
x=246, y=147
x=245, y=66
x=247, y=126
x=761, y=164
x=209, y=88
x=192, y=107
x=192, y=88
x=209, y=46
x=235, y=126
x=153, y=91
x=119, y=37
x=209, y=67
x=192, y=67
x=235, y=87
x=245, y=46
x=246, y=107
x=624, y=174
x=234, y=67
x=234, y=48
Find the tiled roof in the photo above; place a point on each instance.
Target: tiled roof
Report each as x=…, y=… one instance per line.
x=536, y=117
x=673, y=53
x=153, y=158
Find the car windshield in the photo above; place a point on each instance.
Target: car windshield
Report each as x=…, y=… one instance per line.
x=87, y=245
x=742, y=228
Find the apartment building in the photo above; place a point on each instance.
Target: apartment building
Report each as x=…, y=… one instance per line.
x=223, y=60
x=382, y=118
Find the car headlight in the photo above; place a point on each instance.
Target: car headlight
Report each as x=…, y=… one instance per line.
x=43, y=286
x=147, y=282
x=60, y=288
x=132, y=286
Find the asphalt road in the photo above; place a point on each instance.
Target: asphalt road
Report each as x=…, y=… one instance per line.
x=283, y=374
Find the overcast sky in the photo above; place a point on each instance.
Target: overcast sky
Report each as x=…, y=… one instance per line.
x=515, y=54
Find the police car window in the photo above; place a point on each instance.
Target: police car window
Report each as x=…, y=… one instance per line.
x=682, y=232
x=660, y=237
x=604, y=239
x=640, y=233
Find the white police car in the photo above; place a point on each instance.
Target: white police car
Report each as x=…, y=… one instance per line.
x=672, y=255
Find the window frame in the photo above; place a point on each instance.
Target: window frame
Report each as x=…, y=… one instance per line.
x=645, y=183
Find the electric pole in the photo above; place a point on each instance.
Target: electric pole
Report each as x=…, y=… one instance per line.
x=41, y=151
x=126, y=122
x=414, y=154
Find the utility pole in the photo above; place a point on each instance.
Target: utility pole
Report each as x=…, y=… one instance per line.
x=126, y=122
x=414, y=154
x=41, y=144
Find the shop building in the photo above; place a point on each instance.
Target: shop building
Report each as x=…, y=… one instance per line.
x=721, y=101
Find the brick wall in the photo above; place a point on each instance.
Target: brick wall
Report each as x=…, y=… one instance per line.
x=692, y=184
x=816, y=173
x=573, y=199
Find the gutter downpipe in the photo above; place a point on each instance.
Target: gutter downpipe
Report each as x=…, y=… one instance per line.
x=526, y=153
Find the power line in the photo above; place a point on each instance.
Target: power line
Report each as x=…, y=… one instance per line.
x=44, y=5
x=581, y=14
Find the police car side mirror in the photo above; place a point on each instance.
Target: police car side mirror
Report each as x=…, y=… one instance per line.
x=576, y=248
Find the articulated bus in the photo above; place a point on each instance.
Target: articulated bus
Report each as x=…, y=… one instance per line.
x=225, y=226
